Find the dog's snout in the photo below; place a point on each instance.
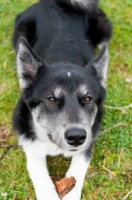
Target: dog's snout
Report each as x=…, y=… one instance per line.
x=75, y=137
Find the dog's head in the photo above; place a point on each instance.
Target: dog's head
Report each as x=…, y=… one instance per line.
x=65, y=99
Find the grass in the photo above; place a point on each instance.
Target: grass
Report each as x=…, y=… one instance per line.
x=110, y=173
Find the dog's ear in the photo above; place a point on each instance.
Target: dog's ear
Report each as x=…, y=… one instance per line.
x=27, y=64
x=100, y=64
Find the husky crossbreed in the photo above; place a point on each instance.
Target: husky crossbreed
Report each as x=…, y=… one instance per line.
x=62, y=87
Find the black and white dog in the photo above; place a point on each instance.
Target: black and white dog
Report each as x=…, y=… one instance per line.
x=63, y=87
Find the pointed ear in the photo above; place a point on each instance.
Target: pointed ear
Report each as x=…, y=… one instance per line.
x=100, y=64
x=27, y=64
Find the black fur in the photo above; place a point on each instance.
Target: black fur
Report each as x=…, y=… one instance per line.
x=100, y=28
x=63, y=36
x=22, y=120
x=25, y=28
x=34, y=24
x=62, y=86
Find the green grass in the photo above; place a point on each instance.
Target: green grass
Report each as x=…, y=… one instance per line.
x=113, y=149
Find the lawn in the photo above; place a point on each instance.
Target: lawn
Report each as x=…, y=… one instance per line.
x=110, y=174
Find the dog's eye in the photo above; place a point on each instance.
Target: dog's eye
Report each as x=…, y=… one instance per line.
x=52, y=99
x=87, y=99
x=84, y=100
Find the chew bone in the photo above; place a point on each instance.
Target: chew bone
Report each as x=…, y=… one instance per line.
x=64, y=186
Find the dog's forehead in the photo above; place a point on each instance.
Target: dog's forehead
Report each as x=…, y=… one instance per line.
x=59, y=91
x=72, y=80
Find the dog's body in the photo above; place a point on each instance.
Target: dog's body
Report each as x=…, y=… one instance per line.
x=60, y=108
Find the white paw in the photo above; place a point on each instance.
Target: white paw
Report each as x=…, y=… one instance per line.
x=73, y=195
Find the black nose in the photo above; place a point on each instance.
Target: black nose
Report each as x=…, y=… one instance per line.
x=75, y=136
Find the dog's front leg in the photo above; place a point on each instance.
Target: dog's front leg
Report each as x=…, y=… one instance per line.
x=44, y=187
x=78, y=169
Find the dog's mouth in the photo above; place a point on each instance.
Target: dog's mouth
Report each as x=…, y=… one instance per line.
x=73, y=150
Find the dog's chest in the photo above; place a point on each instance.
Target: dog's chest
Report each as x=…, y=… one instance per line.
x=42, y=149
x=39, y=148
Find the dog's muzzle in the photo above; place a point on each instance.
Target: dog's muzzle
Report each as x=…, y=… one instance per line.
x=75, y=137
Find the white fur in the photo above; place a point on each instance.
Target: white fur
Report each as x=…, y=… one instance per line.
x=29, y=62
x=39, y=148
x=83, y=89
x=83, y=3
x=94, y=116
x=105, y=69
x=36, y=164
x=103, y=64
x=37, y=168
x=20, y=70
x=69, y=74
x=22, y=83
x=101, y=45
x=57, y=92
x=78, y=169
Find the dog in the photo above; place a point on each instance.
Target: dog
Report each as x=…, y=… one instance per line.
x=62, y=87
